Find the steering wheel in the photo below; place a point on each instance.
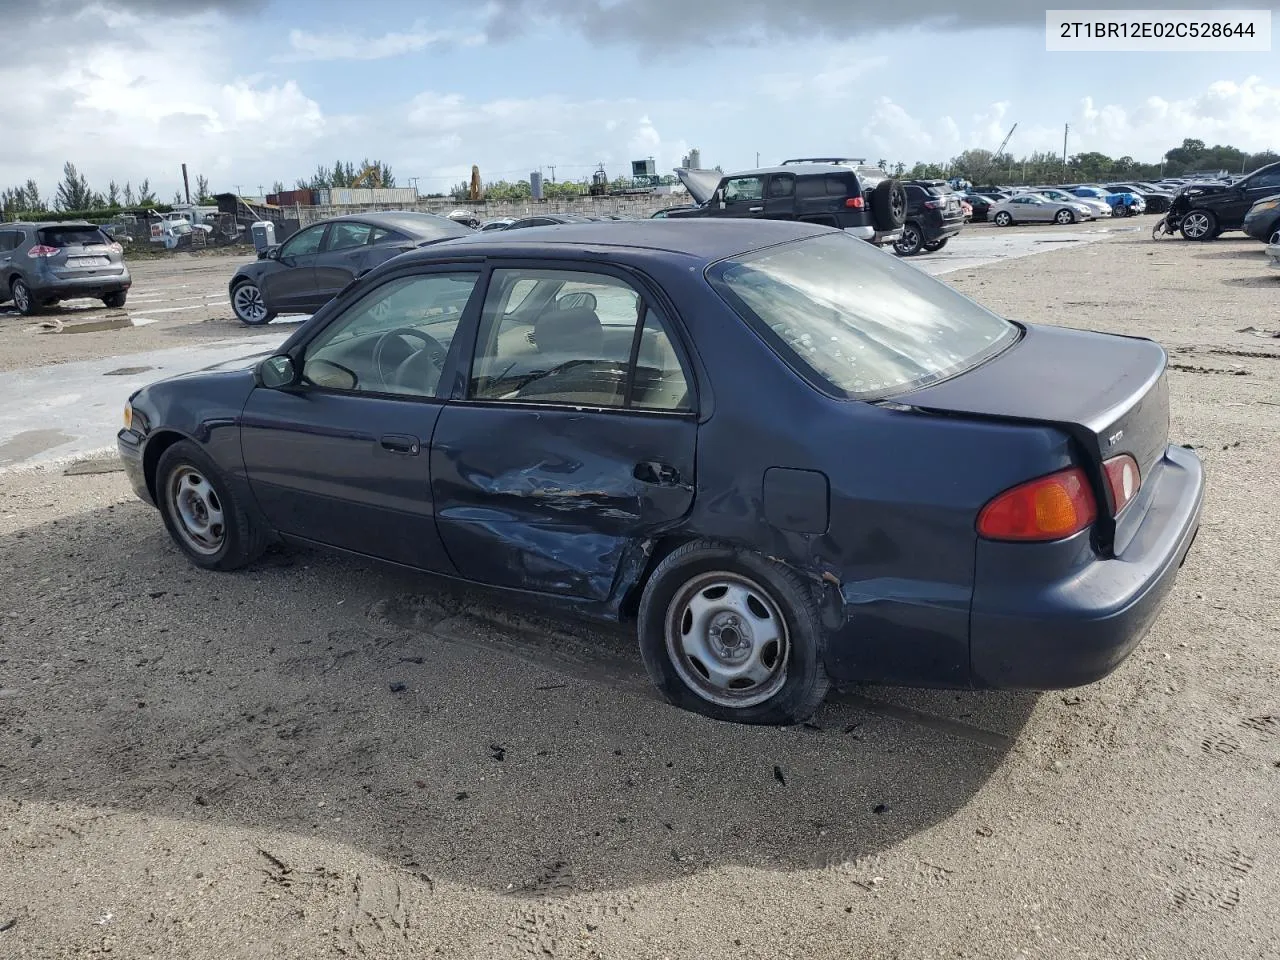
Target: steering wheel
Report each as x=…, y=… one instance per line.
x=432, y=348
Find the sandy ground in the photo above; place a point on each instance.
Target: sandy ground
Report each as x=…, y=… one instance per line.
x=316, y=758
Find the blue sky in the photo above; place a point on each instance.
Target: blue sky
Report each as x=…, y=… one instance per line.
x=251, y=91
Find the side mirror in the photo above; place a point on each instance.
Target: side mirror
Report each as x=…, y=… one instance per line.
x=276, y=373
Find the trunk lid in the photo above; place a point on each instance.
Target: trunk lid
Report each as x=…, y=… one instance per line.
x=1109, y=392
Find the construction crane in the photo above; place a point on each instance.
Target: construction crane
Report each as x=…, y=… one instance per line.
x=999, y=150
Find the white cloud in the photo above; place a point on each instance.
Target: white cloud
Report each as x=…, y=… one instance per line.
x=836, y=79
x=129, y=104
x=306, y=46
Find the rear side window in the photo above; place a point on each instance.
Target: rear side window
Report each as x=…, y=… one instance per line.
x=841, y=187
x=9, y=240
x=71, y=236
x=782, y=185
x=855, y=323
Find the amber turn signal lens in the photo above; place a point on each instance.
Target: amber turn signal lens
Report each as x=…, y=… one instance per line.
x=128, y=416
x=1048, y=508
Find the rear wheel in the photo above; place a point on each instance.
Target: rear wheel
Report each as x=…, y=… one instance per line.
x=936, y=245
x=249, y=304
x=115, y=300
x=910, y=243
x=729, y=634
x=20, y=293
x=201, y=513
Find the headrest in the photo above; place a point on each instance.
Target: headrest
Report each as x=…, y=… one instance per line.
x=576, y=330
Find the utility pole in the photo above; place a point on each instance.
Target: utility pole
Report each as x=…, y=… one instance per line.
x=1065, y=127
x=413, y=181
x=553, y=172
x=757, y=159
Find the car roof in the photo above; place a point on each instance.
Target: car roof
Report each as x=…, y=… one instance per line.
x=395, y=219
x=796, y=169
x=47, y=223
x=706, y=240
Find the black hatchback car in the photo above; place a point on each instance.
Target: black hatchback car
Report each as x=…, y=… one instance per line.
x=302, y=274
x=934, y=216
x=604, y=415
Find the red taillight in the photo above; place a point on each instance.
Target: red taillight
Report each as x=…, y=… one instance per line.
x=1049, y=508
x=932, y=204
x=40, y=250
x=854, y=202
x=1124, y=478
x=115, y=248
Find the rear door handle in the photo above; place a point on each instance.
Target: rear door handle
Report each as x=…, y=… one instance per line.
x=755, y=209
x=401, y=443
x=662, y=474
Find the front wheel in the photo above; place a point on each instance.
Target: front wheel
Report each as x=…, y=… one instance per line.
x=729, y=634
x=1199, y=225
x=1003, y=219
x=249, y=304
x=1065, y=216
x=202, y=515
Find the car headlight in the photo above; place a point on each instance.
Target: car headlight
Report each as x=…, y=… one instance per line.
x=1267, y=205
x=128, y=415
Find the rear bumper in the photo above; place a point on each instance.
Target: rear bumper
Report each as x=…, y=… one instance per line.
x=1070, y=632
x=129, y=446
x=68, y=288
x=872, y=235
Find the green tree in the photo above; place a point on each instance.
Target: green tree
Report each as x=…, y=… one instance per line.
x=128, y=196
x=145, y=197
x=113, y=194
x=202, y=190
x=73, y=192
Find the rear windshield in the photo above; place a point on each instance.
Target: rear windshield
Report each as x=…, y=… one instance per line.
x=854, y=321
x=71, y=236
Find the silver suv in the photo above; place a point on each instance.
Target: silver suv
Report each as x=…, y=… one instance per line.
x=42, y=263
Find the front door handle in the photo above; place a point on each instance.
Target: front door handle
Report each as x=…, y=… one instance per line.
x=755, y=209
x=401, y=443
x=651, y=471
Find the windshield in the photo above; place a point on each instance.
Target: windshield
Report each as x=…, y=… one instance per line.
x=854, y=321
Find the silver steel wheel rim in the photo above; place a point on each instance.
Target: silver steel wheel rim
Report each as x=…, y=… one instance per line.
x=21, y=299
x=1064, y=216
x=727, y=640
x=196, y=510
x=1195, y=224
x=249, y=304
x=910, y=240
x=1003, y=219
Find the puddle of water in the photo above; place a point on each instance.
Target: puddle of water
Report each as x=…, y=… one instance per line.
x=28, y=443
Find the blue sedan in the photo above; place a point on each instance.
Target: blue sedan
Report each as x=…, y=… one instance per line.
x=790, y=458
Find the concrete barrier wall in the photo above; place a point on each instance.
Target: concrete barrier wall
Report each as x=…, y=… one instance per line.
x=637, y=206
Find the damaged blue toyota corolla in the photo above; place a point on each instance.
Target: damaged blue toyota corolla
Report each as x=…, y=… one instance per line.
x=789, y=456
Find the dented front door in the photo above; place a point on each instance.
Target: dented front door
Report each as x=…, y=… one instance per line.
x=553, y=500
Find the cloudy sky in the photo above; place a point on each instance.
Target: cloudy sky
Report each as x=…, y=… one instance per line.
x=251, y=91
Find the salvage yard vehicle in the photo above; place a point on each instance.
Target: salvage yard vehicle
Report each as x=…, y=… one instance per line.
x=302, y=274
x=1033, y=208
x=1097, y=209
x=43, y=263
x=1122, y=203
x=848, y=194
x=1262, y=222
x=934, y=216
x=604, y=416
x=1204, y=210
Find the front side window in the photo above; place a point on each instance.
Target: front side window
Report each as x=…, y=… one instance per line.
x=394, y=339
x=304, y=243
x=571, y=337
x=854, y=322
x=1271, y=178
x=744, y=188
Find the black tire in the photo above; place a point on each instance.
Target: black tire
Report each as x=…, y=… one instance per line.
x=242, y=310
x=1064, y=217
x=696, y=567
x=910, y=243
x=22, y=299
x=1004, y=219
x=242, y=540
x=936, y=245
x=1199, y=225
x=115, y=300
x=889, y=205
